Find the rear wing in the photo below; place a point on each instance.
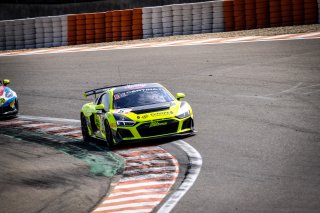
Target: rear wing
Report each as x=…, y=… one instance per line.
x=96, y=91
x=101, y=90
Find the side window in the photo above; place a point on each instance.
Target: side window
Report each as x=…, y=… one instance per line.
x=105, y=101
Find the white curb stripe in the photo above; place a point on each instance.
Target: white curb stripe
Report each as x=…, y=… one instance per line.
x=47, y=119
x=193, y=172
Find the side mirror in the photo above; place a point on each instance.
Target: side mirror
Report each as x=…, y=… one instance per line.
x=100, y=107
x=6, y=82
x=180, y=95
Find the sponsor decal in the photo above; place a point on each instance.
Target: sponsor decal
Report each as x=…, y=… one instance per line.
x=2, y=100
x=116, y=96
x=155, y=124
x=136, y=86
x=155, y=114
x=144, y=116
x=123, y=111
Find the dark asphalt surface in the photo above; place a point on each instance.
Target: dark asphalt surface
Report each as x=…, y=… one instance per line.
x=256, y=107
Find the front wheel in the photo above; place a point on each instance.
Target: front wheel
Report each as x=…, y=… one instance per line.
x=109, y=137
x=84, y=129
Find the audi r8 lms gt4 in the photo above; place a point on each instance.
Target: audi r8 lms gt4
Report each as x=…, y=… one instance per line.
x=8, y=100
x=135, y=112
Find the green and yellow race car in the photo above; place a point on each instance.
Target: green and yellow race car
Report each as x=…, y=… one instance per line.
x=135, y=112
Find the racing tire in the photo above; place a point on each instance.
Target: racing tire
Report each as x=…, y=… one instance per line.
x=16, y=105
x=84, y=129
x=109, y=137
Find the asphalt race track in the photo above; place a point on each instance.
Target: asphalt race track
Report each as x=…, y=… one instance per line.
x=256, y=107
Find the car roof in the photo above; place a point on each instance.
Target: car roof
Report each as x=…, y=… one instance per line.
x=128, y=87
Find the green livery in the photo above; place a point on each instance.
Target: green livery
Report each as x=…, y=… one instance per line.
x=135, y=112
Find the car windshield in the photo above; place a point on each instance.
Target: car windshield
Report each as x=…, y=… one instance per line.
x=140, y=97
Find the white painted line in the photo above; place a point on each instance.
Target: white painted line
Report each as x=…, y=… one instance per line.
x=68, y=50
x=90, y=49
x=275, y=37
x=126, y=206
x=134, y=198
x=33, y=52
x=171, y=43
x=205, y=40
x=133, y=45
x=193, y=172
x=307, y=35
x=147, y=183
x=48, y=119
x=241, y=39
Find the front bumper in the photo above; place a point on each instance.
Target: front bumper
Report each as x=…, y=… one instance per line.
x=147, y=131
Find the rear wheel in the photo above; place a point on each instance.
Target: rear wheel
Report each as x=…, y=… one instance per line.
x=109, y=137
x=84, y=129
x=16, y=105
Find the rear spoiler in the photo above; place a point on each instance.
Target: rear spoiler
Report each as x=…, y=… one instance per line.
x=101, y=90
x=96, y=91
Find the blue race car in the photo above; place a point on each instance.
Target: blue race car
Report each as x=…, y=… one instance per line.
x=9, y=105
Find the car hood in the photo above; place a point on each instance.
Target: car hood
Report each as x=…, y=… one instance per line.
x=151, y=112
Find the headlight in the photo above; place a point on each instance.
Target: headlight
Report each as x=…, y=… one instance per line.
x=183, y=111
x=9, y=94
x=123, y=120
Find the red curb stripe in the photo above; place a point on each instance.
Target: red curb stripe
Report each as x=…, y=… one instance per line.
x=138, y=153
x=134, y=194
x=152, y=165
x=161, y=186
x=150, y=172
x=146, y=207
x=150, y=158
x=131, y=201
